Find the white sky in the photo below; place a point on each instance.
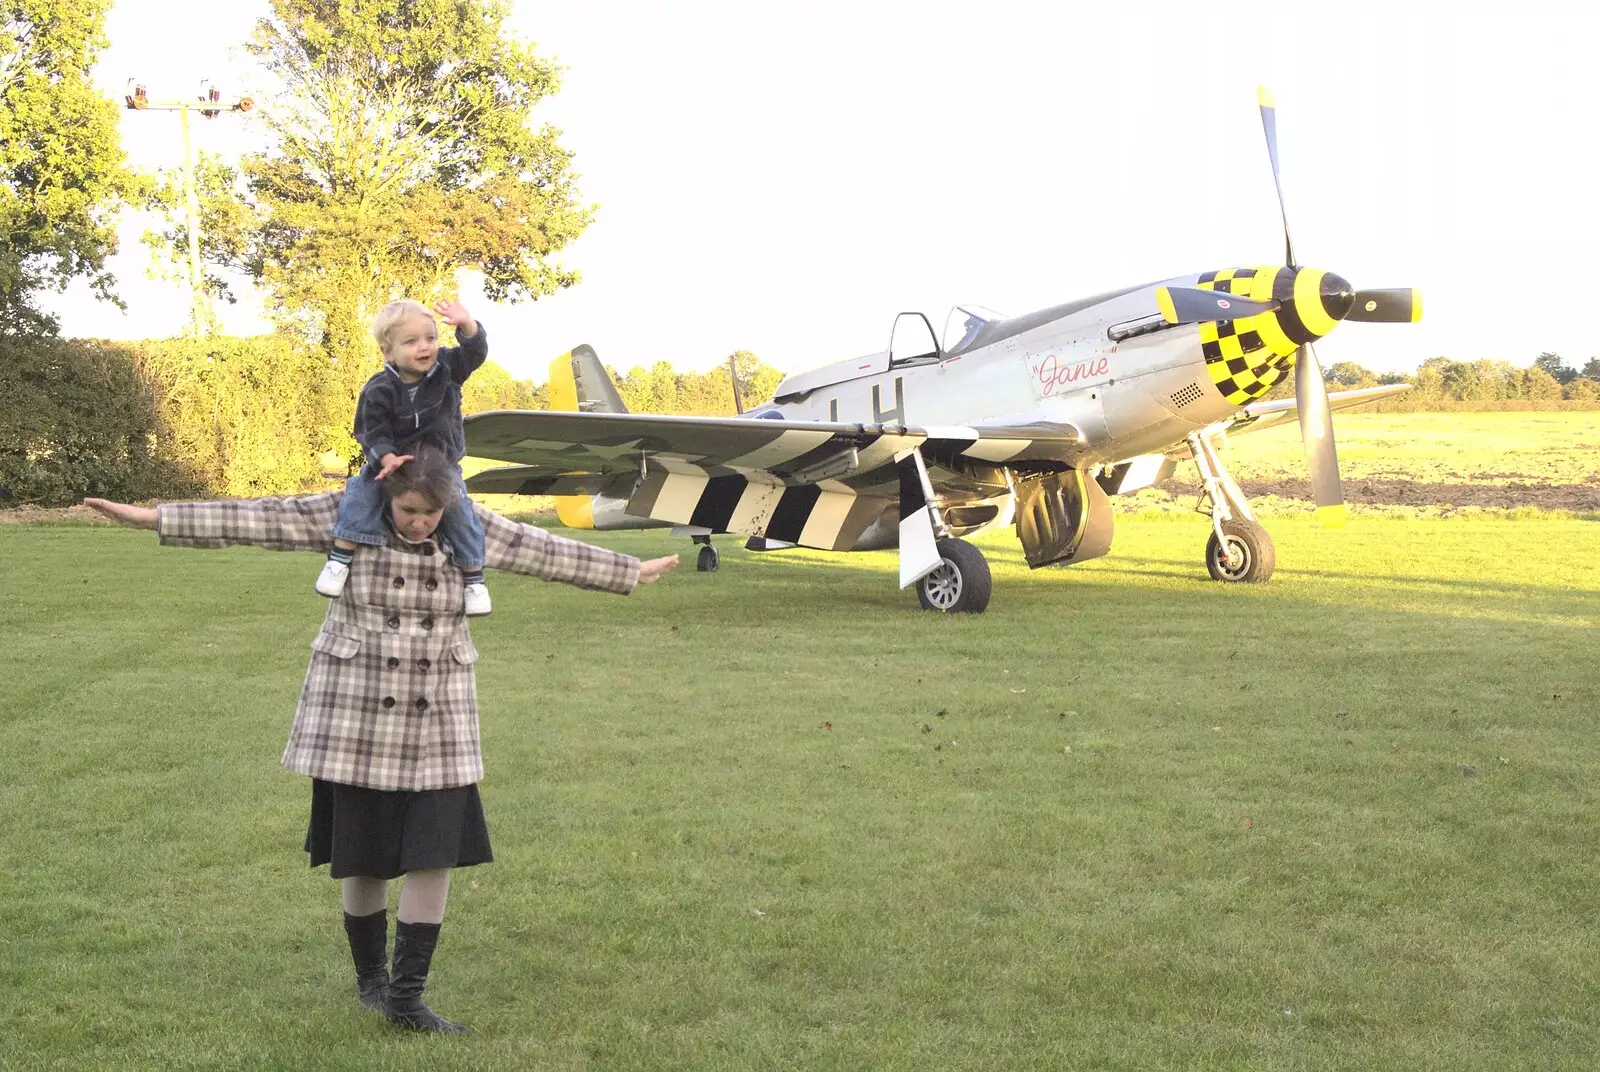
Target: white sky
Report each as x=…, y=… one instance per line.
x=785, y=179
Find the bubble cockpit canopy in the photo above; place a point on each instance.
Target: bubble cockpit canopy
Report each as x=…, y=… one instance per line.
x=963, y=325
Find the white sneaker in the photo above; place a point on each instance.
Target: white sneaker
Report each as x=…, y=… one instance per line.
x=477, y=600
x=330, y=582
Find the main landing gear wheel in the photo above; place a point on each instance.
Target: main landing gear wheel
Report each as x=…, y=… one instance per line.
x=708, y=559
x=960, y=585
x=1249, y=557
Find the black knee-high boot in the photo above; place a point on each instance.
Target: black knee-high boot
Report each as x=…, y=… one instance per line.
x=413, y=953
x=369, y=948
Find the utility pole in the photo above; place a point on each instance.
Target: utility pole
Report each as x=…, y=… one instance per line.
x=733, y=374
x=210, y=105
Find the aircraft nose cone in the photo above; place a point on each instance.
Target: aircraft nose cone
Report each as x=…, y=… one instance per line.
x=1318, y=300
x=1337, y=295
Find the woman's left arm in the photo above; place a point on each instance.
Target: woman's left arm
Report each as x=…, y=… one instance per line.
x=535, y=552
x=300, y=523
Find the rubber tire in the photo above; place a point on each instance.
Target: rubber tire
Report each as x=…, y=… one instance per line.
x=708, y=560
x=1261, y=557
x=970, y=575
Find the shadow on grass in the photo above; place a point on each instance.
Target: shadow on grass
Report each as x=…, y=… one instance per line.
x=1139, y=567
x=1124, y=572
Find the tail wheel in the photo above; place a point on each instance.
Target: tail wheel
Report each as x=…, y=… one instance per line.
x=708, y=560
x=1249, y=556
x=960, y=585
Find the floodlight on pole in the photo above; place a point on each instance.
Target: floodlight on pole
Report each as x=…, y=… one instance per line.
x=210, y=104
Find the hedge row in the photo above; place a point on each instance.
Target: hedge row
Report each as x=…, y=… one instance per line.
x=77, y=418
x=170, y=418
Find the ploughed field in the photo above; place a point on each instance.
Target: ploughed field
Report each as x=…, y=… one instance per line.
x=1428, y=463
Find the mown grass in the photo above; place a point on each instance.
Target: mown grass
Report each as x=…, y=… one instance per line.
x=776, y=817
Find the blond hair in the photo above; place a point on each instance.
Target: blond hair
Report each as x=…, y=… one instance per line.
x=392, y=316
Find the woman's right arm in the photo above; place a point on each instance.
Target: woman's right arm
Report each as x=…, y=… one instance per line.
x=300, y=523
x=135, y=517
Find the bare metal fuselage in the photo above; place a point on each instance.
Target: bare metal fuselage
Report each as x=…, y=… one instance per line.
x=1136, y=395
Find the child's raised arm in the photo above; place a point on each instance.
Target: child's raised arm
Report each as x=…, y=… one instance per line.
x=467, y=358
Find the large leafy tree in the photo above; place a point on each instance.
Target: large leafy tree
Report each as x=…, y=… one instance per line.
x=62, y=171
x=1556, y=367
x=401, y=152
x=1349, y=374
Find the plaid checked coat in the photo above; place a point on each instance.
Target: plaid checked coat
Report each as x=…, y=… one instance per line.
x=390, y=700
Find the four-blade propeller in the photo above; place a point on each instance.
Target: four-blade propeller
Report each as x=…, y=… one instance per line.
x=1396, y=306
x=1400, y=305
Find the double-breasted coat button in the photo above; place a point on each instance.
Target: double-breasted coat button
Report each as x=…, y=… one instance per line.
x=430, y=584
x=422, y=704
x=427, y=623
x=423, y=664
x=394, y=621
x=399, y=582
x=393, y=662
x=388, y=701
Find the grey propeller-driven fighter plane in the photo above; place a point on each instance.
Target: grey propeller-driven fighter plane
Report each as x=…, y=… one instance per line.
x=1030, y=420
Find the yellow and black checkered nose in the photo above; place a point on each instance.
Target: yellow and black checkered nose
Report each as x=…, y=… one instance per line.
x=1246, y=357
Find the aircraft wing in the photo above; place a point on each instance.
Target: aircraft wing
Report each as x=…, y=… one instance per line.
x=1260, y=415
x=817, y=484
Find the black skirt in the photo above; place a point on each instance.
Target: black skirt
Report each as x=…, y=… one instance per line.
x=383, y=834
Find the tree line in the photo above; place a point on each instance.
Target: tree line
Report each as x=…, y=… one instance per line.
x=1443, y=382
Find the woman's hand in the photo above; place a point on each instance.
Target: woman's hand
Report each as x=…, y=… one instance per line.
x=652, y=570
x=139, y=517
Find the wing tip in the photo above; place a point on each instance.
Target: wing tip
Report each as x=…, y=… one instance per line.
x=575, y=511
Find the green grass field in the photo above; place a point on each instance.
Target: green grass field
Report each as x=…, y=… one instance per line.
x=776, y=817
